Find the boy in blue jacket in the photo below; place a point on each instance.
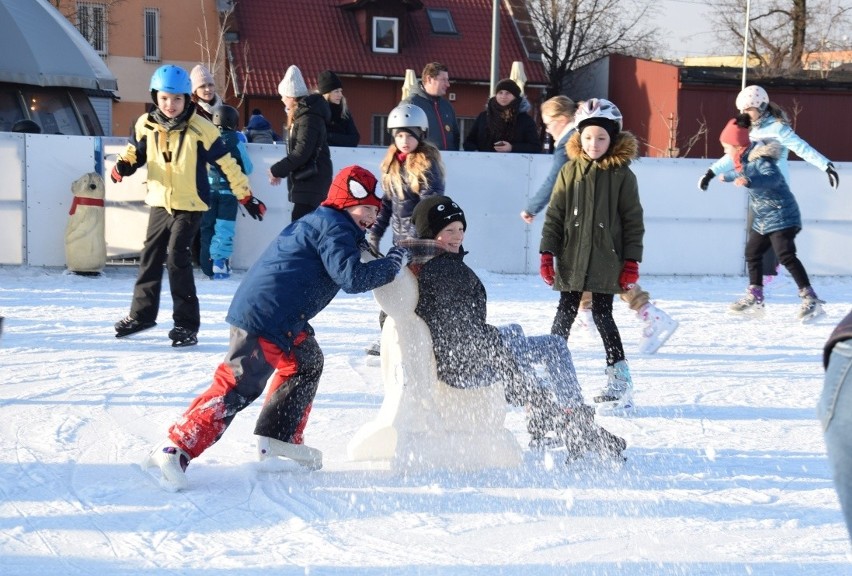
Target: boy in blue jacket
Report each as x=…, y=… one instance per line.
x=293, y=280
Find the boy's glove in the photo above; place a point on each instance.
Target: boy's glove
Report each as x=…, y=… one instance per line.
x=399, y=256
x=121, y=169
x=629, y=275
x=254, y=207
x=704, y=182
x=833, y=178
x=548, y=273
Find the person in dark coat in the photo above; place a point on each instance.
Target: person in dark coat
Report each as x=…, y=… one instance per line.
x=505, y=125
x=593, y=232
x=307, y=165
x=258, y=130
x=341, y=130
x=428, y=95
x=469, y=352
x=292, y=281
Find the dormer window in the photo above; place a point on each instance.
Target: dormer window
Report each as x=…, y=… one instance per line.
x=441, y=21
x=385, y=34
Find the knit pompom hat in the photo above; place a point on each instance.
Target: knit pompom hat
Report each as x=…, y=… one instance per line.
x=293, y=84
x=735, y=132
x=508, y=85
x=434, y=213
x=353, y=186
x=200, y=76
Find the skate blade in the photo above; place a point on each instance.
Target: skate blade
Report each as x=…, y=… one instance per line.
x=617, y=407
x=149, y=468
x=748, y=314
x=305, y=456
x=817, y=313
x=651, y=346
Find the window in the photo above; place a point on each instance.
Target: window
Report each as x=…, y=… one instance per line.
x=385, y=34
x=441, y=21
x=152, y=35
x=91, y=22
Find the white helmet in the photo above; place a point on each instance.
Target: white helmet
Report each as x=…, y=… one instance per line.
x=408, y=116
x=752, y=97
x=598, y=108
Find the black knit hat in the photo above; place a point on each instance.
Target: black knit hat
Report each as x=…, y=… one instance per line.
x=328, y=81
x=611, y=126
x=508, y=85
x=433, y=214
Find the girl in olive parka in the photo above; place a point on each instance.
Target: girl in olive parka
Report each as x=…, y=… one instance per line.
x=594, y=229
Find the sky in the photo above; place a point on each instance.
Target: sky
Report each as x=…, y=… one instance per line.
x=687, y=30
x=725, y=475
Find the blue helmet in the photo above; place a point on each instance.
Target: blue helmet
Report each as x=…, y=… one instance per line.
x=171, y=78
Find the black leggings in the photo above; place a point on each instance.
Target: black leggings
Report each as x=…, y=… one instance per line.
x=566, y=312
x=784, y=244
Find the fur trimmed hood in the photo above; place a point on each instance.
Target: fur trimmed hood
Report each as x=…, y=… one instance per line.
x=767, y=149
x=621, y=152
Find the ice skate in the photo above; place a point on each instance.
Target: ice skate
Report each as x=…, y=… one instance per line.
x=172, y=463
x=581, y=434
x=584, y=323
x=658, y=327
x=221, y=269
x=750, y=305
x=182, y=337
x=811, y=307
x=310, y=458
x=375, y=349
x=541, y=426
x=129, y=325
x=617, y=396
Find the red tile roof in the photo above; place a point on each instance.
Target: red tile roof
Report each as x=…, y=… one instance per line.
x=323, y=34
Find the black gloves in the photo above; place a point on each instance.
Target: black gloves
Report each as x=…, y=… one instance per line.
x=704, y=182
x=254, y=207
x=833, y=178
x=121, y=169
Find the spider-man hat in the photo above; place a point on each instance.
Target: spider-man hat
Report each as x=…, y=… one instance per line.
x=351, y=187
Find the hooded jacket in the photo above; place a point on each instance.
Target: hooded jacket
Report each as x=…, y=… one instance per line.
x=595, y=220
x=772, y=204
x=259, y=130
x=307, y=143
x=177, y=162
x=443, y=126
x=300, y=272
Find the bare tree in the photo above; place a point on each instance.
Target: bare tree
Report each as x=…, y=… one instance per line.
x=576, y=32
x=782, y=32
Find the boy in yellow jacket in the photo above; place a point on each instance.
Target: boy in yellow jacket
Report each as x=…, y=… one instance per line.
x=176, y=144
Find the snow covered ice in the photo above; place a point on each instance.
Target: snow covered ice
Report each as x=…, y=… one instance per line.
x=726, y=470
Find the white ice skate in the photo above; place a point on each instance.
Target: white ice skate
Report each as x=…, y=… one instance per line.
x=617, y=397
x=310, y=458
x=811, y=307
x=172, y=463
x=750, y=305
x=658, y=327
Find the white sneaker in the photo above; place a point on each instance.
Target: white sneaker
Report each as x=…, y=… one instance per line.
x=658, y=327
x=172, y=462
x=306, y=456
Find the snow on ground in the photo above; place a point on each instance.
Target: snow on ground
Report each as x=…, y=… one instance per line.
x=726, y=470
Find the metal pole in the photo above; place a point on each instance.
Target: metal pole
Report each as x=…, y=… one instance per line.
x=745, y=43
x=495, y=45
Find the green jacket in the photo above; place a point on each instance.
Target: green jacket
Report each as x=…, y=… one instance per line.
x=594, y=220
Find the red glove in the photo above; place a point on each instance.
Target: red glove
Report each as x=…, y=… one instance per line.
x=548, y=274
x=255, y=208
x=629, y=275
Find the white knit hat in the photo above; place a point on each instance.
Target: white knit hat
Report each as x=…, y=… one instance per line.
x=293, y=84
x=200, y=76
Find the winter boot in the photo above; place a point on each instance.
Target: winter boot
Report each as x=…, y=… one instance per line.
x=129, y=325
x=375, y=349
x=306, y=456
x=182, y=337
x=751, y=304
x=811, y=308
x=580, y=434
x=221, y=269
x=172, y=462
x=619, y=386
x=658, y=327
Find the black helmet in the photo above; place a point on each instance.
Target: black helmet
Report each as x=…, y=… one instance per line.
x=225, y=116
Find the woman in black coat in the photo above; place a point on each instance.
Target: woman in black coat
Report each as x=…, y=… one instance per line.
x=341, y=130
x=505, y=125
x=307, y=165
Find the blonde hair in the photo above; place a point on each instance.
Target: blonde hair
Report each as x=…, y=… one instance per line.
x=417, y=165
x=559, y=106
x=344, y=108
